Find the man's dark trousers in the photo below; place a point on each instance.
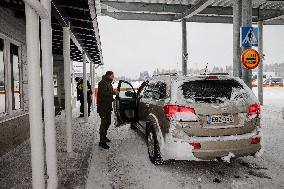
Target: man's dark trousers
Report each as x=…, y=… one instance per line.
x=105, y=123
x=82, y=106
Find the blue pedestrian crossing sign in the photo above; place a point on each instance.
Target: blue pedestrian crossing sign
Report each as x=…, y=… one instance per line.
x=249, y=36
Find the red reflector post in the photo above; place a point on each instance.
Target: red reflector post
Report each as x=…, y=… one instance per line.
x=195, y=145
x=255, y=140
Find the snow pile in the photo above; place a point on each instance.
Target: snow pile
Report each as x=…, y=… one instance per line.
x=180, y=134
x=259, y=153
x=185, y=116
x=239, y=96
x=228, y=157
x=225, y=138
x=174, y=147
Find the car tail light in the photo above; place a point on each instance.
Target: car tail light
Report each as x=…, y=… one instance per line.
x=254, y=110
x=186, y=109
x=212, y=78
x=255, y=140
x=171, y=110
x=195, y=145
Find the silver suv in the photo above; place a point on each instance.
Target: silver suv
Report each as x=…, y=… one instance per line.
x=204, y=117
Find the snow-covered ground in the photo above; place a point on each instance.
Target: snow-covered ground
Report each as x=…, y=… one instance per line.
x=273, y=96
x=15, y=166
x=126, y=163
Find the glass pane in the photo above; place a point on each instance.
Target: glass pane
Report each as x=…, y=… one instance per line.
x=16, y=102
x=210, y=91
x=2, y=78
x=126, y=91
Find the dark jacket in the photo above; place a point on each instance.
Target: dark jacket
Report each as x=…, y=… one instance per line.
x=80, y=93
x=105, y=95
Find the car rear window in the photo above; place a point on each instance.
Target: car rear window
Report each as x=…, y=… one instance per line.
x=160, y=87
x=210, y=91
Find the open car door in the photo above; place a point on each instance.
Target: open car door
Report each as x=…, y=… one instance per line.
x=125, y=103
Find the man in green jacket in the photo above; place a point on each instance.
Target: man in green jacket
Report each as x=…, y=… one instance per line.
x=104, y=106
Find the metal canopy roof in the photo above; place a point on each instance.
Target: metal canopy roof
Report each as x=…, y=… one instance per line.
x=81, y=16
x=206, y=11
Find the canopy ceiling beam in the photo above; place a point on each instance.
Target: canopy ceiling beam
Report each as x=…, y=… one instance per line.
x=166, y=17
x=137, y=16
x=179, y=8
x=146, y=7
x=194, y=10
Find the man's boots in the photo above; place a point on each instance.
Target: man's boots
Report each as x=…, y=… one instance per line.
x=103, y=145
x=108, y=140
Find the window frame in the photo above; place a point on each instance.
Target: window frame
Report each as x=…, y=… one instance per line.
x=8, y=74
x=4, y=65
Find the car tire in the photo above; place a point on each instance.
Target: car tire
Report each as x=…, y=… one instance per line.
x=153, y=147
x=133, y=125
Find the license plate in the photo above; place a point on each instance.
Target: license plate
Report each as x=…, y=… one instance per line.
x=220, y=119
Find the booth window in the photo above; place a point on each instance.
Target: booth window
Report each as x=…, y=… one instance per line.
x=10, y=75
x=15, y=77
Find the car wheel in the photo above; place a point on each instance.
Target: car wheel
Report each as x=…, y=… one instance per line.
x=153, y=147
x=132, y=125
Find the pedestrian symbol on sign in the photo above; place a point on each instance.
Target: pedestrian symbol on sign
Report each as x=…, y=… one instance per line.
x=249, y=36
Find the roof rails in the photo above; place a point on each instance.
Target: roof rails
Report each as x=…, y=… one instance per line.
x=166, y=74
x=217, y=74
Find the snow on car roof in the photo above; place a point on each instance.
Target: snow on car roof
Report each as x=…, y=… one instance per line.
x=198, y=77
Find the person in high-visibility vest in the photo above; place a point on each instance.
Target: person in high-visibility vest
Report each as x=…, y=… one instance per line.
x=80, y=95
x=104, y=106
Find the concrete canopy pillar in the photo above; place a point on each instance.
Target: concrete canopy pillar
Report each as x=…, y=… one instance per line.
x=247, y=22
x=67, y=87
x=34, y=96
x=48, y=96
x=260, y=67
x=237, y=20
x=184, y=47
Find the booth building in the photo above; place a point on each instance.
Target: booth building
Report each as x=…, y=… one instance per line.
x=80, y=15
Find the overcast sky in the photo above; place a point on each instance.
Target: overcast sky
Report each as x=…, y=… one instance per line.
x=130, y=47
